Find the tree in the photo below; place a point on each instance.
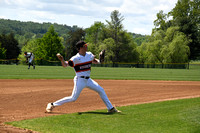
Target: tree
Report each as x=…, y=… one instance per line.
x=124, y=48
x=115, y=26
x=170, y=33
x=94, y=37
x=127, y=48
x=70, y=44
x=94, y=33
x=108, y=45
x=49, y=45
x=143, y=52
x=178, y=49
x=160, y=22
x=9, y=43
x=154, y=51
x=2, y=52
x=165, y=47
x=186, y=15
x=119, y=44
x=150, y=52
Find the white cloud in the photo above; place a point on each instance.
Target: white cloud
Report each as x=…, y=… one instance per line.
x=139, y=14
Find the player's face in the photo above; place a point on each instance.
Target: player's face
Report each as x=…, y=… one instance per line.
x=83, y=48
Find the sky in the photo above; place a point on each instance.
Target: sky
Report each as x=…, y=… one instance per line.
x=138, y=14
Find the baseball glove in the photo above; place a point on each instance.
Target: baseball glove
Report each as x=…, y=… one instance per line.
x=102, y=56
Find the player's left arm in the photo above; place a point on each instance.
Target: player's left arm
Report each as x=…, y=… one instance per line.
x=101, y=58
x=26, y=59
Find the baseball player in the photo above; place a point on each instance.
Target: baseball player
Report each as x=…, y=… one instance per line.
x=29, y=59
x=81, y=63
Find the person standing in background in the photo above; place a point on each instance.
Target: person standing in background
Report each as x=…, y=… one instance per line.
x=29, y=59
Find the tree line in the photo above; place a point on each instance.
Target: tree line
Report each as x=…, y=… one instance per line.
x=27, y=36
x=175, y=39
x=186, y=19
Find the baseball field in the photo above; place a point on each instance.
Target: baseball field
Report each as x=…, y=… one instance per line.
x=151, y=100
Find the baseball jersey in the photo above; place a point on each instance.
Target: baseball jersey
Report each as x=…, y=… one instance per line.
x=82, y=64
x=29, y=54
x=30, y=57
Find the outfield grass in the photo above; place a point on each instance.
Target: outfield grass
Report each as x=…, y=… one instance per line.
x=179, y=116
x=58, y=72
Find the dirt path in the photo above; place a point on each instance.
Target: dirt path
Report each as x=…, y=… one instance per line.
x=26, y=99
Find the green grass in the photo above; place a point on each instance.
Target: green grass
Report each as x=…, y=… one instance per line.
x=179, y=116
x=58, y=72
x=41, y=72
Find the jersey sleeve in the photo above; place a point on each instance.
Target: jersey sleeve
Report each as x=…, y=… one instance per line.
x=72, y=61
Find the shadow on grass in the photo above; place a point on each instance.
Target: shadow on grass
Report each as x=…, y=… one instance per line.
x=99, y=113
x=55, y=113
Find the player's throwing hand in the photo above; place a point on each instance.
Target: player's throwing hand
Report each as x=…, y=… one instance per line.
x=60, y=57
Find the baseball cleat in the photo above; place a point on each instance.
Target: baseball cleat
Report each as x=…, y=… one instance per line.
x=114, y=110
x=49, y=107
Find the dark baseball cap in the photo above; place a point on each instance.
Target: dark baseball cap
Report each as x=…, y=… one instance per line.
x=80, y=44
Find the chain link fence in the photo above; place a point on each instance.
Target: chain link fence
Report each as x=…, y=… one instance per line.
x=127, y=65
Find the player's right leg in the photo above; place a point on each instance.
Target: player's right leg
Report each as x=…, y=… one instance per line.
x=79, y=85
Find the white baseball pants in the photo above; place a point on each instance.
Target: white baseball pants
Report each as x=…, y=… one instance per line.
x=31, y=59
x=79, y=85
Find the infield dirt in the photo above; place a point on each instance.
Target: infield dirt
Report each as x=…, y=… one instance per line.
x=26, y=99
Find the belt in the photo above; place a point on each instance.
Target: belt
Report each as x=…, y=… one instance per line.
x=85, y=77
